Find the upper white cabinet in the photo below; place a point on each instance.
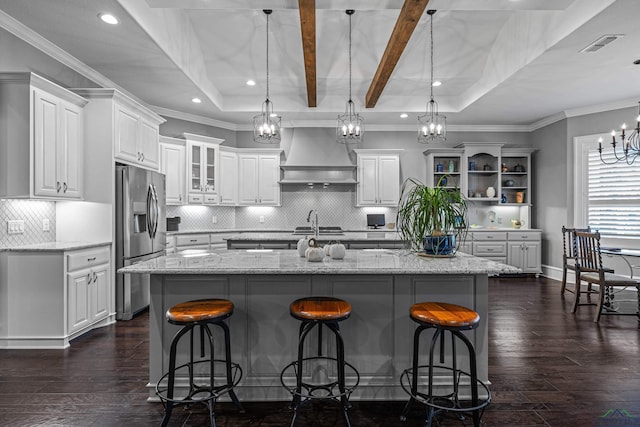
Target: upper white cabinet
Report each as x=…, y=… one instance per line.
x=172, y=164
x=228, y=176
x=378, y=177
x=136, y=139
x=202, y=169
x=43, y=126
x=259, y=176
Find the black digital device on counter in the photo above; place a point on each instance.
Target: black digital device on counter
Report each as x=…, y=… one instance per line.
x=375, y=220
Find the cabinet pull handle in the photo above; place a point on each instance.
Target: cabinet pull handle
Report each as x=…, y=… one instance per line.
x=180, y=197
x=138, y=156
x=64, y=186
x=142, y=155
x=95, y=277
x=88, y=278
x=57, y=186
x=193, y=240
x=91, y=259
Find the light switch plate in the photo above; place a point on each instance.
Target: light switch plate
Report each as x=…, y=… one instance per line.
x=15, y=226
x=45, y=224
x=261, y=219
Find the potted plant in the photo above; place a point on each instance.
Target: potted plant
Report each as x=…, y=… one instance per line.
x=431, y=219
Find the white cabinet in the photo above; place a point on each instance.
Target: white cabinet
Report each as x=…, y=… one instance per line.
x=192, y=241
x=87, y=287
x=525, y=251
x=136, y=137
x=491, y=245
x=64, y=293
x=259, y=174
x=172, y=164
x=378, y=177
x=444, y=167
x=43, y=127
x=228, y=177
x=202, y=169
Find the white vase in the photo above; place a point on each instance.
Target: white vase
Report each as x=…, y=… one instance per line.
x=491, y=192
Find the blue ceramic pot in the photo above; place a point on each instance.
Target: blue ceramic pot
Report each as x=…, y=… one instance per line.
x=439, y=245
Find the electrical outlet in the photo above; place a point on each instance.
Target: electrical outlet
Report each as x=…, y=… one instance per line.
x=261, y=219
x=499, y=220
x=15, y=226
x=45, y=224
x=214, y=219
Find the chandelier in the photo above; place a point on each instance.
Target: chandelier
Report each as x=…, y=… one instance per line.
x=630, y=148
x=266, y=125
x=432, y=126
x=350, y=124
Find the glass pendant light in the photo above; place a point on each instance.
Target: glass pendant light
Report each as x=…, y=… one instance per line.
x=350, y=126
x=432, y=126
x=266, y=125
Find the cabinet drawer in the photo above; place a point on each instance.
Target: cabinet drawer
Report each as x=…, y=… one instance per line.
x=524, y=235
x=210, y=199
x=195, y=198
x=493, y=249
x=88, y=258
x=491, y=236
x=192, y=239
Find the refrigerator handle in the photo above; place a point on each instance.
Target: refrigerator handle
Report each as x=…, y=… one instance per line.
x=156, y=210
x=149, y=221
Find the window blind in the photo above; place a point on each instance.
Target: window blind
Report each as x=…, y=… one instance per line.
x=613, y=196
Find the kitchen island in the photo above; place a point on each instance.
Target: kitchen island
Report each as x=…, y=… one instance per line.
x=381, y=285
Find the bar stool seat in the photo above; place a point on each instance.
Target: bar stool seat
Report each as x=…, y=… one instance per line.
x=312, y=312
x=189, y=315
x=444, y=317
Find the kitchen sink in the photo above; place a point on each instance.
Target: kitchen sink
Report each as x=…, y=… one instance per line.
x=323, y=231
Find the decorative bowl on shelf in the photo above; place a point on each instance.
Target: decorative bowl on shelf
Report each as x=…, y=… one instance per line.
x=509, y=183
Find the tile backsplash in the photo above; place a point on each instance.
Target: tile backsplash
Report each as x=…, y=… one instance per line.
x=335, y=205
x=32, y=212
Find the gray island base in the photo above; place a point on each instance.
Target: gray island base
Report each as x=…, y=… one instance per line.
x=381, y=285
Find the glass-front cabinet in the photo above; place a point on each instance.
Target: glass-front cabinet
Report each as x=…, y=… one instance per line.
x=202, y=161
x=481, y=175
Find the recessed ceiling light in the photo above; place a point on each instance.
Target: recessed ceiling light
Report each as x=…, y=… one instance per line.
x=108, y=18
x=437, y=83
x=251, y=83
x=196, y=100
x=404, y=115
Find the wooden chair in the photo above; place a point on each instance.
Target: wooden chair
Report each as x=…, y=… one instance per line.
x=568, y=256
x=589, y=268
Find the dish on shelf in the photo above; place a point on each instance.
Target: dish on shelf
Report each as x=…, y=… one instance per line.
x=509, y=183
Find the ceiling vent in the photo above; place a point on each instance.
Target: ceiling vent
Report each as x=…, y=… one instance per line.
x=602, y=42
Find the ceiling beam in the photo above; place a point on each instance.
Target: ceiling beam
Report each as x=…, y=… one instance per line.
x=308, y=26
x=410, y=14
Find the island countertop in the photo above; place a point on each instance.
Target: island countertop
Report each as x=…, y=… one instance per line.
x=376, y=261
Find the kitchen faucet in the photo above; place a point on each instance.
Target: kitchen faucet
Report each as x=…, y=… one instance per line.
x=314, y=224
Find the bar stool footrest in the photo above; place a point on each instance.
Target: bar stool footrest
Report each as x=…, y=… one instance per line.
x=449, y=402
x=199, y=393
x=308, y=390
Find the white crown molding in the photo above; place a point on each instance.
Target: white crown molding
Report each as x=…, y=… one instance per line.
x=25, y=33
x=397, y=128
x=547, y=121
x=196, y=119
x=583, y=111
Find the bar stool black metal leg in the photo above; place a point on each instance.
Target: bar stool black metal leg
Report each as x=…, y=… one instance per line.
x=171, y=380
x=431, y=411
x=474, y=376
x=344, y=401
x=297, y=397
x=414, y=374
x=227, y=355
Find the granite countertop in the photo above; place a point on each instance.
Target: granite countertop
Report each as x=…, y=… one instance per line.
x=376, y=261
x=344, y=237
x=53, y=246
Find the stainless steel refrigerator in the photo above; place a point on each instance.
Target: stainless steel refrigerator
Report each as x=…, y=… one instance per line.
x=140, y=233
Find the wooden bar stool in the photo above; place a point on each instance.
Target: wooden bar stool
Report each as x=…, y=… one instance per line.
x=312, y=312
x=453, y=318
x=190, y=315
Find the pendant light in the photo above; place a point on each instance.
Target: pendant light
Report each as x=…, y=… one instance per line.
x=266, y=125
x=350, y=124
x=432, y=126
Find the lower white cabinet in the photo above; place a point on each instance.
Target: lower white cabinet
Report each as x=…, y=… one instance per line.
x=525, y=251
x=53, y=296
x=88, y=281
x=192, y=241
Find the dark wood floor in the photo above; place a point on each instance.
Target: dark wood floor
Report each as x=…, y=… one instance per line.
x=547, y=366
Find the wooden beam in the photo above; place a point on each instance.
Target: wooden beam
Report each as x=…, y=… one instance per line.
x=412, y=11
x=308, y=26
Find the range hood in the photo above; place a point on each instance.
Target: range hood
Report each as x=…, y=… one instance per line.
x=314, y=156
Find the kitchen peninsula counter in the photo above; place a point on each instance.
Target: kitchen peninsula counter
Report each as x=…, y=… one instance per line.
x=351, y=239
x=381, y=285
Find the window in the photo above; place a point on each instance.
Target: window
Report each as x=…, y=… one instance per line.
x=610, y=195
